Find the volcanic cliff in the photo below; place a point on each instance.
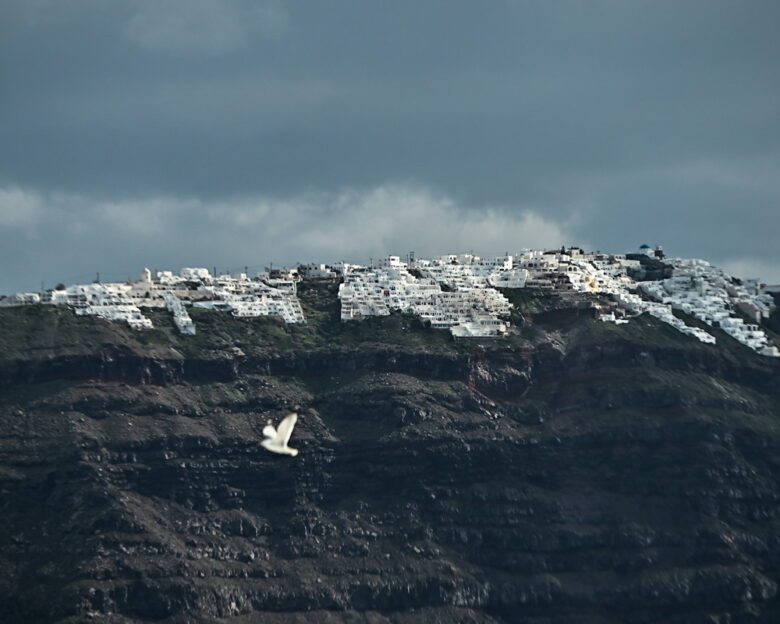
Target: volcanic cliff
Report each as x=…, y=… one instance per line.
x=574, y=472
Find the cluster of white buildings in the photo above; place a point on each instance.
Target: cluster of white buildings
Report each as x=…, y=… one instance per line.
x=695, y=287
x=459, y=293
x=181, y=317
x=245, y=297
x=710, y=295
x=197, y=287
x=447, y=293
x=108, y=301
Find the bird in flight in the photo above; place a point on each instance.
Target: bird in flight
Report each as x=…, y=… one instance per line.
x=276, y=439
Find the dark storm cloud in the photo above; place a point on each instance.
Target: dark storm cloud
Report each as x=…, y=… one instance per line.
x=614, y=122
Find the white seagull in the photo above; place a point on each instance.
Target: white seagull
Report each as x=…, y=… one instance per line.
x=276, y=439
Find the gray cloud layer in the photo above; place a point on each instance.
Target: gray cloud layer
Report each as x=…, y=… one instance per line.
x=611, y=123
x=114, y=236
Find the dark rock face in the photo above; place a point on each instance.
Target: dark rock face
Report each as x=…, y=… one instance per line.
x=651, y=268
x=585, y=474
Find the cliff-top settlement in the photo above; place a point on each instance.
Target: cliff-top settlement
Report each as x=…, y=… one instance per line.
x=460, y=293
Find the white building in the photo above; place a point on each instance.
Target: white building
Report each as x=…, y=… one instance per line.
x=195, y=274
x=317, y=271
x=181, y=318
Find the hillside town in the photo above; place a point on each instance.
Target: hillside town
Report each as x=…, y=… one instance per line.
x=448, y=293
x=464, y=294
x=196, y=287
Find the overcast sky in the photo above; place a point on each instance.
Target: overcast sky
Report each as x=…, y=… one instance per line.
x=170, y=133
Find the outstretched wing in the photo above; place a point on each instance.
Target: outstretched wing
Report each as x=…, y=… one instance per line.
x=284, y=430
x=269, y=431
